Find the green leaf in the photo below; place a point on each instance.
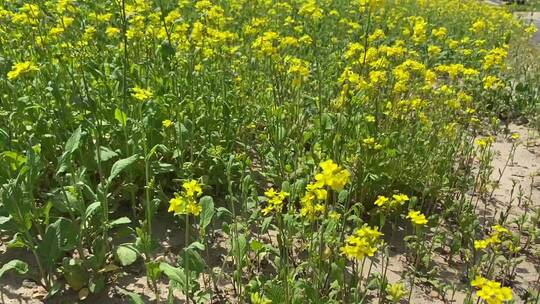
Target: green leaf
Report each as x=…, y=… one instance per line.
x=91, y=209
x=207, y=212
x=256, y=245
x=239, y=245
x=4, y=220
x=152, y=270
x=121, y=165
x=72, y=144
x=75, y=274
x=17, y=241
x=173, y=273
x=14, y=158
x=266, y=224
x=126, y=254
x=59, y=236
x=343, y=195
x=106, y=154
x=120, y=221
x=18, y=266
x=133, y=297
x=120, y=116
x=18, y=207
x=193, y=258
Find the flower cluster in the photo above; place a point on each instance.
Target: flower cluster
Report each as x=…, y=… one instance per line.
x=490, y=291
x=275, y=200
x=186, y=202
x=141, y=94
x=311, y=201
x=417, y=218
x=395, y=292
x=498, y=235
x=332, y=175
x=364, y=242
x=21, y=68
x=390, y=204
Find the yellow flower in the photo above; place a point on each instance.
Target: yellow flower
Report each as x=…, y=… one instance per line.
x=490, y=291
x=275, y=201
x=381, y=200
x=193, y=208
x=141, y=94
x=299, y=69
x=177, y=204
x=332, y=175
x=167, y=123
x=531, y=29
x=256, y=298
x=396, y=292
x=192, y=188
x=311, y=9
x=417, y=218
x=478, y=281
x=499, y=229
x=400, y=198
x=492, y=83
x=496, y=237
x=364, y=242
x=478, y=26
x=186, y=202
x=481, y=244
x=439, y=33
x=371, y=143
x=515, y=136
x=390, y=204
x=112, y=31
x=370, y=118
x=21, y=68
x=434, y=50
x=334, y=215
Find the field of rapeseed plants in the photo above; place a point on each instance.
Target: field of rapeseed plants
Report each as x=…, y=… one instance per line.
x=295, y=146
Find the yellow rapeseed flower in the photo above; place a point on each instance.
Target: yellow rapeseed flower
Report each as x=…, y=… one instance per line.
x=396, y=292
x=332, y=175
x=490, y=291
x=21, y=68
x=186, y=203
x=417, y=218
x=192, y=188
x=167, y=123
x=141, y=94
x=364, y=242
x=275, y=201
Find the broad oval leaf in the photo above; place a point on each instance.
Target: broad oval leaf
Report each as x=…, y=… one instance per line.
x=121, y=165
x=126, y=255
x=17, y=266
x=207, y=212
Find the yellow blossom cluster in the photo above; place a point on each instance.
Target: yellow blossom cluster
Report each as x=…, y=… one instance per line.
x=332, y=176
x=364, y=242
x=141, y=94
x=417, y=218
x=21, y=68
x=274, y=200
x=391, y=203
x=311, y=202
x=497, y=236
x=186, y=202
x=490, y=291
